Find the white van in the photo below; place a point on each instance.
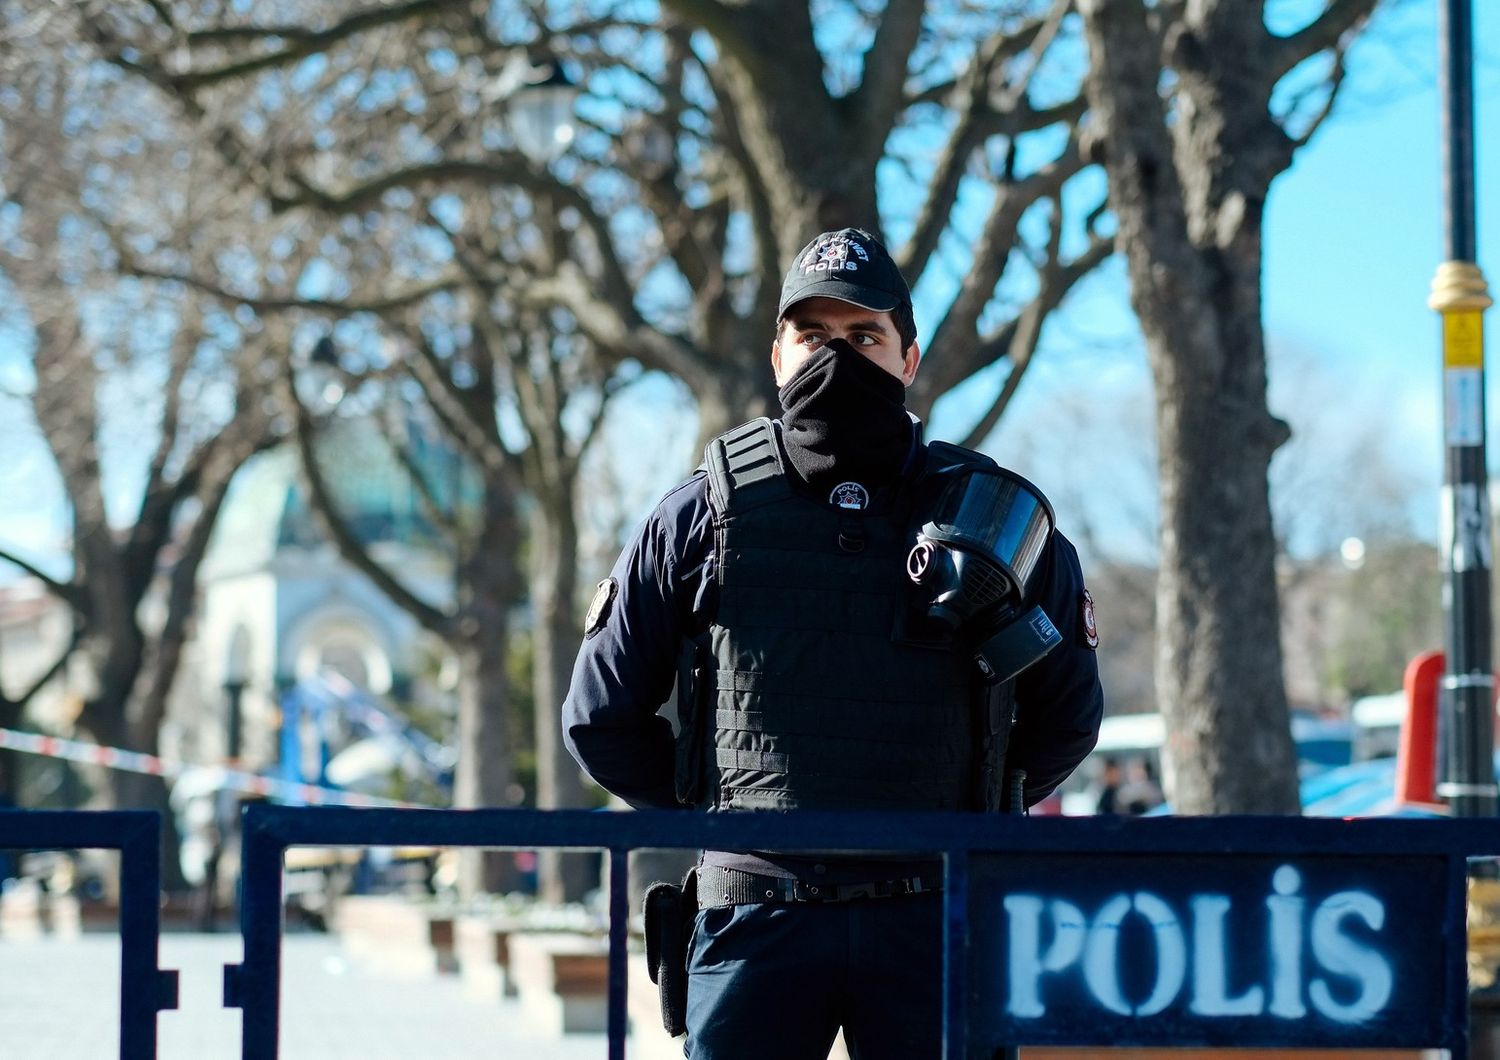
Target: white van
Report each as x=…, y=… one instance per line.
x=1322, y=743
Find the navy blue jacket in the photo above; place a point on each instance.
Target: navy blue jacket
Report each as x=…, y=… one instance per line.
x=666, y=592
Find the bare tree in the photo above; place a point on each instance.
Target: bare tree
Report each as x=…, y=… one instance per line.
x=660, y=235
x=479, y=361
x=1181, y=97
x=522, y=483
x=81, y=144
x=716, y=140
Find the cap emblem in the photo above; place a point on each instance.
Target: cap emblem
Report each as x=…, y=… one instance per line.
x=833, y=256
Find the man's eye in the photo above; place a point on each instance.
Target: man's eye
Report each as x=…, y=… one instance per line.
x=866, y=340
x=812, y=338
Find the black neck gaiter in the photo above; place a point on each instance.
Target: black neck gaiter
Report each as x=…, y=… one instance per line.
x=845, y=420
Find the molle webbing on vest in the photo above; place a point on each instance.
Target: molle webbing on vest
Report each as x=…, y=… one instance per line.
x=814, y=706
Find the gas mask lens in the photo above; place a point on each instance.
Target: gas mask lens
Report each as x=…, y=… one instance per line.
x=976, y=555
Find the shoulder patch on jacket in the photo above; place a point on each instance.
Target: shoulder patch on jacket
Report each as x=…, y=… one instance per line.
x=599, y=606
x=1087, y=624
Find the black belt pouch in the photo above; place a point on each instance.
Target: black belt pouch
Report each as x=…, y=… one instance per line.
x=669, y=912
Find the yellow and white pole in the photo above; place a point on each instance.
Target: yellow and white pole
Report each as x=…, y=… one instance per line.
x=1466, y=777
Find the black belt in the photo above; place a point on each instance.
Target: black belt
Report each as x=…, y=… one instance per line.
x=720, y=886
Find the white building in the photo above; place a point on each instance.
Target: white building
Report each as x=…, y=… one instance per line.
x=278, y=603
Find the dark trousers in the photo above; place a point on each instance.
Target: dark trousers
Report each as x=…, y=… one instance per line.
x=779, y=980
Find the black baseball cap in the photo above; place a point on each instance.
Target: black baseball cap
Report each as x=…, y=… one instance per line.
x=850, y=265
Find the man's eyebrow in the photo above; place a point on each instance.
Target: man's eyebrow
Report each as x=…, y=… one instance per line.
x=810, y=324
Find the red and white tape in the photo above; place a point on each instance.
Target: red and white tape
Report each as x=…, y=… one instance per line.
x=136, y=762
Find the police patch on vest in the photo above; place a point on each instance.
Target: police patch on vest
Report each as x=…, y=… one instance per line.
x=1090, y=630
x=850, y=495
x=599, y=606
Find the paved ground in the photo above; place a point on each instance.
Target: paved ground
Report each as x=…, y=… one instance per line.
x=59, y=998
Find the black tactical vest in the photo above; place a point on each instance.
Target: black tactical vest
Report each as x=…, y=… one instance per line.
x=803, y=699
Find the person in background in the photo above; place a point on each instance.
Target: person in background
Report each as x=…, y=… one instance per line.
x=1109, y=787
x=1140, y=793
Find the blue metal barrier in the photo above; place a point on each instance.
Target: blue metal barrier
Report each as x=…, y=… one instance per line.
x=1260, y=931
x=1181, y=931
x=145, y=989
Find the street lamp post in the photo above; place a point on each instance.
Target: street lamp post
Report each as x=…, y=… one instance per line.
x=234, y=694
x=1460, y=295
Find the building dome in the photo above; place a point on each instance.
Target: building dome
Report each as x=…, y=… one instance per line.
x=268, y=508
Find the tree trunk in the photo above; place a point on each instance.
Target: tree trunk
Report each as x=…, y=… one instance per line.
x=727, y=399
x=115, y=657
x=775, y=79
x=10, y=761
x=554, y=588
x=1189, y=196
x=1219, y=665
x=106, y=717
x=485, y=773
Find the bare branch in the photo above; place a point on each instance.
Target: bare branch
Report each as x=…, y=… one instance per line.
x=980, y=117
x=657, y=178
x=238, y=34
x=1017, y=341
x=1338, y=19
x=881, y=94
x=953, y=335
x=163, y=12
x=757, y=197
x=304, y=43
x=375, y=304
x=499, y=170
x=623, y=334
x=161, y=498
x=349, y=546
x=431, y=505
x=942, y=189
x=607, y=392
x=68, y=593
x=472, y=428
x=729, y=26
x=182, y=593
x=181, y=359
x=14, y=705
x=1335, y=82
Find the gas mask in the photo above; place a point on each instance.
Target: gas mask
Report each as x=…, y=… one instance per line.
x=972, y=565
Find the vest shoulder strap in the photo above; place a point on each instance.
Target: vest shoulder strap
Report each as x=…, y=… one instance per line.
x=745, y=467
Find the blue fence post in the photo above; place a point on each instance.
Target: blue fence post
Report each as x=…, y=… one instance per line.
x=145, y=989
x=1456, y=951
x=619, y=921
x=955, y=954
x=254, y=986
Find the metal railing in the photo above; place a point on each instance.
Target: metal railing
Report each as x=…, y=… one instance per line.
x=1420, y=866
x=145, y=988
x=1250, y=931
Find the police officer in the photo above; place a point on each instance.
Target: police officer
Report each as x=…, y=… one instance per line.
x=771, y=586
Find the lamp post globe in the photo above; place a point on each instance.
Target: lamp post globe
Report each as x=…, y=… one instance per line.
x=539, y=108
